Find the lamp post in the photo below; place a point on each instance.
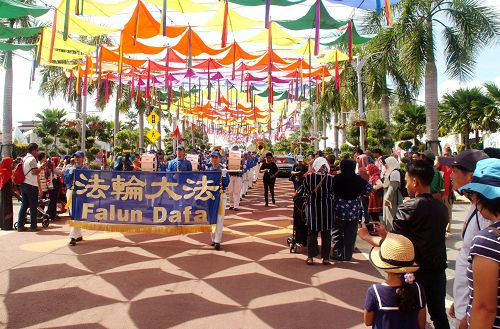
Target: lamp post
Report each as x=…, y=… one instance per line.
x=358, y=66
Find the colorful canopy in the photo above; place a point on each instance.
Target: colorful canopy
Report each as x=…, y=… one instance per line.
x=16, y=9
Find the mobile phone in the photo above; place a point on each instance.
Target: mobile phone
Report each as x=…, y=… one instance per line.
x=370, y=227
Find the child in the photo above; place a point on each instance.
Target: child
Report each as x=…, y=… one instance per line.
x=399, y=302
x=376, y=195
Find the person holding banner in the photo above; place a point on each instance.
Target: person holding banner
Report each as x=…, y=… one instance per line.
x=75, y=233
x=215, y=159
x=180, y=163
x=235, y=166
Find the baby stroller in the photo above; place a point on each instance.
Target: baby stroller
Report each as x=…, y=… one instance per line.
x=42, y=216
x=299, y=232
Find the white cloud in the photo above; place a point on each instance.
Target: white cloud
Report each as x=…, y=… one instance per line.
x=450, y=86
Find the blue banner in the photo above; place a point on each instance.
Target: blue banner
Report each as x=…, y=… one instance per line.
x=145, y=198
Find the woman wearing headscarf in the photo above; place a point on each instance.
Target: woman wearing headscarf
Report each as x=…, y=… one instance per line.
x=392, y=191
x=118, y=163
x=348, y=190
x=6, y=212
x=318, y=189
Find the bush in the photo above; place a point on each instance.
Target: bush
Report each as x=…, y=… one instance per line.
x=19, y=150
x=346, y=148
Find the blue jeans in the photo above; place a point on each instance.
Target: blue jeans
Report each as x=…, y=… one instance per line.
x=29, y=194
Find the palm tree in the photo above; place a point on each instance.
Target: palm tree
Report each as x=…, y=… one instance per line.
x=6, y=61
x=458, y=111
x=466, y=110
x=490, y=120
x=385, y=63
x=410, y=121
x=49, y=128
x=469, y=27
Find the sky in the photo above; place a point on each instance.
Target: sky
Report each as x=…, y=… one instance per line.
x=27, y=102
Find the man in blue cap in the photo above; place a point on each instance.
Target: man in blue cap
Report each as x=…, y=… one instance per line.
x=215, y=158
x=75, y=233
x=180, y=163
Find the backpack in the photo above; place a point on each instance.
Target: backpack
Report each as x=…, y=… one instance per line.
x=18, y=173
x=402, y=185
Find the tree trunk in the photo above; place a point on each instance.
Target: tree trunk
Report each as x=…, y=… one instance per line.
x=431, y=93
x=343, y=120
x=116, y=128
x=141, y=131
x=384, y=102
x=414, y=138
x=335, y=134
x=7, y=107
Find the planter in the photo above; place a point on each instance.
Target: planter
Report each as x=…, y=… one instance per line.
x=71, y=123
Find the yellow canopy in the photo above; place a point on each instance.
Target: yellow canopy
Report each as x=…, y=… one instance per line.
x=236, y=21
x=96, y=8
x=280, y=37
x=184, y=6
x=69, y=44
x=80, y=26
x=330, y=57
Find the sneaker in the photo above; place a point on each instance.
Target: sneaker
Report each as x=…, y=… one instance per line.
x=213, y=244
x=217, y=246
x=72, y=242
x=34, y=229
x=79, y=239
x=231, y=208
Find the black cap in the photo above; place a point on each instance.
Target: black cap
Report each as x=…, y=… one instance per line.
x=466, y=159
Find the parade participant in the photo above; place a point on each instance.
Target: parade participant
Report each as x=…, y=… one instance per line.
x=75, y=233
x=348, y=188
x=423, y=220
x=136, y=162
x=318, y=188
x=399, y=302
x=215, y=165
x=29, y=188
x=392, y=191
x=298, y=171
x=235, y=185
x=437, y=186
x=463, y=166
x=127, y=163
x=244, y=177
x=6, y=208
x=270, y=171
x=179, y=163
x=484, y=257
x=118, y=163
x=362, y=163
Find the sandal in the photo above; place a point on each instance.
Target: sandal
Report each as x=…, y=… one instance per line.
x=326, y=261
x=309, y=261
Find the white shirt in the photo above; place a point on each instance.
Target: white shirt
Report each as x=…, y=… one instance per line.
x=460, y=286
x=30, y=163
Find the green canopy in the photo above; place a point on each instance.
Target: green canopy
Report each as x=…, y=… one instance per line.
x=8, y=32
x=16, y=9
x=357, y=39
x=263, y=2
x=277, y=96
x=308, y=21
x=4, y=46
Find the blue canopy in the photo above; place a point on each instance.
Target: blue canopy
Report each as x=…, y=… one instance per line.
x=364, y=4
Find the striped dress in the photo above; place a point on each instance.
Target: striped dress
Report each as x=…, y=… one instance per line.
x=485, y=244
x=319, y=205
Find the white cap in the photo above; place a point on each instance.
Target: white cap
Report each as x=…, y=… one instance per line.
x=300, y=157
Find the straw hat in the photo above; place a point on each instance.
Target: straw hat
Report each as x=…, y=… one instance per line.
x=395, y=255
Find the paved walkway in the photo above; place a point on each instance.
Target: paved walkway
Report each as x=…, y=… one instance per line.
x=114, y=280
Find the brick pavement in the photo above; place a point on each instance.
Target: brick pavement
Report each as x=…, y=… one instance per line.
x=114, y=280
